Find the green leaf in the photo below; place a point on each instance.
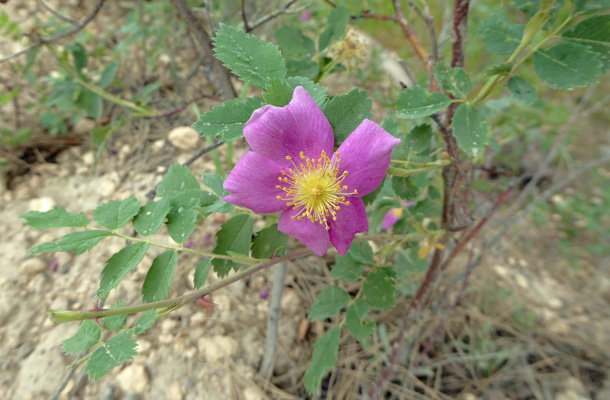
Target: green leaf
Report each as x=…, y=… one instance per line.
x=108, y=75
x=354, y=320
x=361, y=252
x=405, y=188
x=151, y=216
x=335, y=27
x=379, y=289
x=328, y=303
x=590, y=6
x=219, y=206
x=293, y=43
x=159, y=277
x=324, y=358
x=594, y=33
x=214, y=182
x=79, y=55
x=55, y=218
x=521, y=91
x=470, y=129
x=417, y=102
x=117, y=322
x=500, y=36
x=177, y=180
x=317, y=92
x=88, y=335
x=228, y=119
x=346, y=111
x=201, y=273
x=279, y=93
x=119, y=349
x=145, y=322
x=304, y=67
x=75, y=241
x=119, y=265
x=562, y=66
x=91, y=103
x=453, y=80
x=252, y=59
x=115, y=214
x=417, y=140
x=234, y=236
x=269, y=242
x=346, y=269
x=370, y=198
x=181, y=222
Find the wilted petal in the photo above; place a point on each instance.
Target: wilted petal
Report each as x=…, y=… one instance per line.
x=277, y=132
x=366, y=156
x=252, y=184
x=311, y=234
x=350, y=220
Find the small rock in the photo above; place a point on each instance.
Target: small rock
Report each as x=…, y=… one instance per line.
x=573, y=390
x=41, y=204
x=133, y=379
x=251, y=393
x=32, y=267
x=290, y=303
x=184, y=138
x=216, y=348
x=143, y=346
x=88, y=158
x=83, y=126
x=176, y=391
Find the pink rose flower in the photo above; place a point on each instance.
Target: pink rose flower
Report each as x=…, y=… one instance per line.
x=393, y=216
x=292, y=168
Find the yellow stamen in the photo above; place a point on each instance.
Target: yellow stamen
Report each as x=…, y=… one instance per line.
x=315, y=188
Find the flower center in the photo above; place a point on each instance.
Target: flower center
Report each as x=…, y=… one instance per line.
x=314, y=188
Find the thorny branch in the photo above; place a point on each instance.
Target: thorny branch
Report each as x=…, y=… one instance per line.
x=39, y=41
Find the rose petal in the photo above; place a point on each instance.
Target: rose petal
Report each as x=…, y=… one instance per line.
x=391, y=218
x=366, y=156
x=277, y=132
x=350, y=220
x=311, y=234
x=252, y=184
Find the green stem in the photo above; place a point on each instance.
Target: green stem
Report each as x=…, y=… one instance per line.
x=59, y=316
x=408, y=172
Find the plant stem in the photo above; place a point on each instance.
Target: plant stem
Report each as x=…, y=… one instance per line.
x=59, y=316
x=428, y=167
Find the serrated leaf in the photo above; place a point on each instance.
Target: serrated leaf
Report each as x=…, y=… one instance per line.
x=346, y=111
x=55, y=218
x=252, y=59
x=361, y=252
x=453, y=80
x=145, y=322
x=119, y=265
x=279, y=93
x=219, y=206
x=117, y=322
x=379, y=289
x=177, y=180
x=115, y=214
x=228, y=119
x=346, y=269
x=324, y=358
x=201, y=273
x=417, y=102
x=328, y=303
x=335, y=27
x=293, y=43
x=214, y=182
x=404, y=188
x=594, y=33
x=500, y=36
x=317, y=92
x=108, y=75
x=234, y=236
x=75, y=241
x=116, y=351
x=418, y=139
x=88, y=335
x=562, y=65
x=151, y=216
x=354, y=320
x=181, y=222
x=269, y=242
x=470, y=129
x=303, y=67
x=159, y=277
x=521, y=91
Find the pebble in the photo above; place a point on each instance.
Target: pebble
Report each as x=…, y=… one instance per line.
x=176, y=391
x=133, y=379
x=184, y=138
x=32, y=267
x=216, y=348
x=83, y=126
x=41, y=204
